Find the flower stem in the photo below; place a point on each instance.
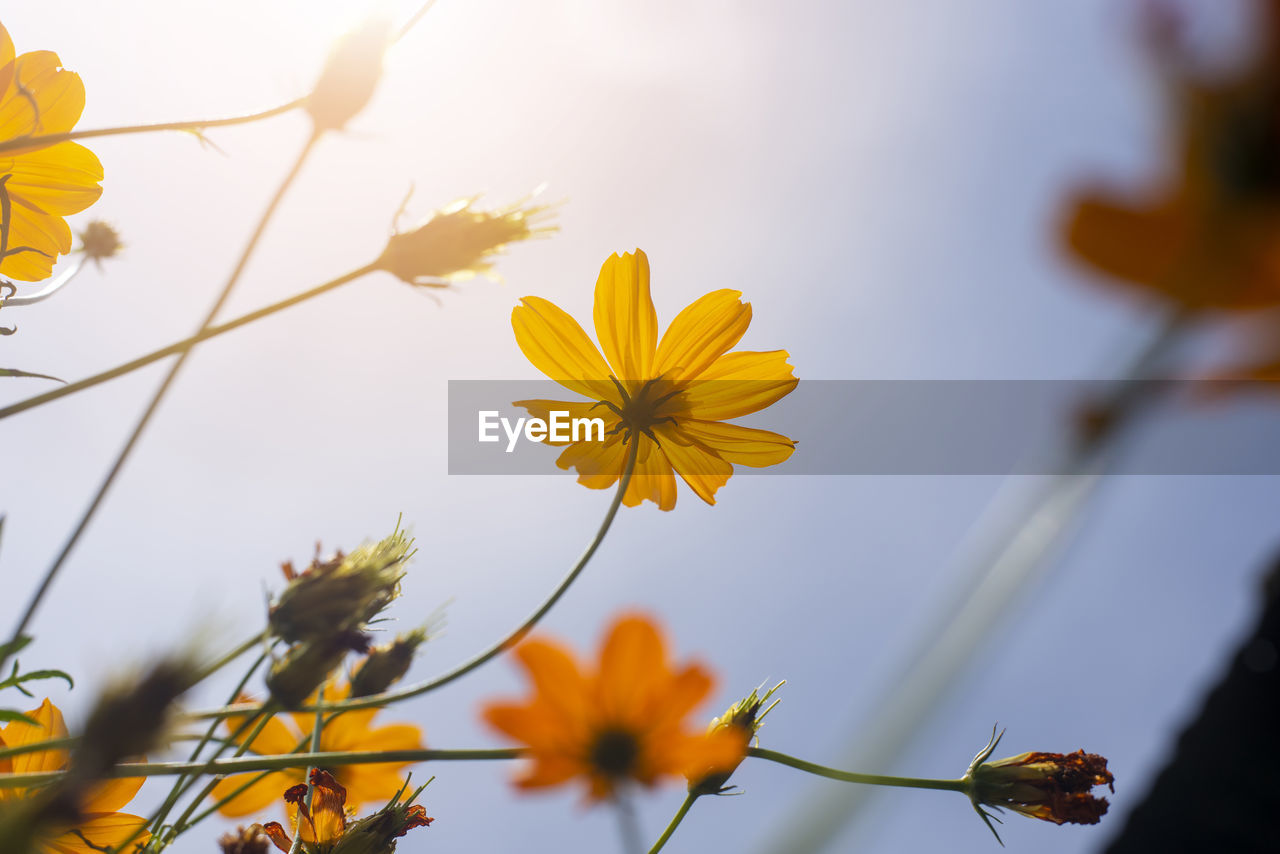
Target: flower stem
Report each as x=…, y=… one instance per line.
x=853, y=777
x=65, y=276
x=498, y=648
x=42, y=140
x=329, y=759
x=316, y=730
x=52, y=572
x=185, y=344
x=675, y=822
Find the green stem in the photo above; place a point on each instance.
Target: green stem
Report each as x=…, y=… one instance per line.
x=52, y=572
x=853, y=777
x=675, y=822
x=316, y=729
x=185, y=344
x=498, y=648
x=329, y=759
x=41, y=140
x=39, y=746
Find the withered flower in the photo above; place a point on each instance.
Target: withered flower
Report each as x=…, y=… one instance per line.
x=245, y=840
x=99, y=241
x=324, y=827
x=1055, y=787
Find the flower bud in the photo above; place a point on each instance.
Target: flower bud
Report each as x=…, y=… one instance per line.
x=99, y=241
x=245, y=840
x=456, y=242
x=350, y=75
x=745, y=718
x=376, y=834
x=303, y=669
x=386, y=664
x=337, y=597
x=130, y=719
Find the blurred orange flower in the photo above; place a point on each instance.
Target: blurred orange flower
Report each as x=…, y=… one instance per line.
x=672, y=396
x=349, y=731
x=39, y=185
x=103, y=826
x=623, y=722
x=1211, y=239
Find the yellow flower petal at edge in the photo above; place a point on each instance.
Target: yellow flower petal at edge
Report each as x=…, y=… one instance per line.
x=42, y=184
x=349, y=731
x=671, y=396
x=102, y=826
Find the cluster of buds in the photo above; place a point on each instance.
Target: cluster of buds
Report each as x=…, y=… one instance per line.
x=324, y=828
x=457, y=242
x=745, y=718
x=1054, y=787
x=325, y=610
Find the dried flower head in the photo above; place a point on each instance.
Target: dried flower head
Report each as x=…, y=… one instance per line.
x=245, y=840
x=334, y=598
x=386, y=664
x=350, y=74
x=131, y=718
x=324, y=828
x=99, y=241
x=1055, y=787
x=744, y=719
x=457, y=242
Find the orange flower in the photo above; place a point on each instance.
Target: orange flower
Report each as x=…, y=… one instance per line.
x=348, y=731
x=624, y=722
x=674, y=396
x=40, y=185
x=1211, y=239
x=102, y=826
x=323, y=827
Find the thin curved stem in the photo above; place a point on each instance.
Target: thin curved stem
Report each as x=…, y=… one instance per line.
x=329, y=759
x=186, y=343
x=41, y=140
x=57, y=284
x=498, y=648
x=854, y=777
x=52, y=572
x=675, y=822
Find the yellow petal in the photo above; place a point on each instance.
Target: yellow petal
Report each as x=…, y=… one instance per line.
x=41, y=98
x=575, y=409
x=696, y=464
x=745, y=446
x=59, y=179
x=700, y=334
x=626, y=324
x=738, y=384
x=599, y=464
x=110, y=795
x=653, y=480
x=556, y=345
x=261, y=795
x=100, y=832
x=6, y=48
x=49, y=725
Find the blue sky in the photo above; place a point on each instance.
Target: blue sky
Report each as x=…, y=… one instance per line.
x=883, y=181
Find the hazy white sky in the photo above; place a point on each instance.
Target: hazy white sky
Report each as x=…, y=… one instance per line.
x=881, y=179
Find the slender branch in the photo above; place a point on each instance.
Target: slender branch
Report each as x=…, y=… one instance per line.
x=675, y=822
x=52, y=572
x=853, y=777
x=498, y=648
x=329, y=759
x=57, y=284
x=184, y=344
x=41, y=140
x=39, y=746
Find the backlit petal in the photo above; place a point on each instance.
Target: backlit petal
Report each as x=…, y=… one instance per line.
x=626, y=323
x=738, y=384
x=556, y=345
x=701, y=333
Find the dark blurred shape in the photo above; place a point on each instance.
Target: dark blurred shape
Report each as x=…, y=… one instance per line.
x=386, y=664
x=1221, y=790
x=245, y=840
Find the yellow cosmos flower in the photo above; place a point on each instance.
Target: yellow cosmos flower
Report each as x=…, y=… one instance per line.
x=671, y=396
x=350, y=731
x=42, y=184
x=624, y=722
x=103, y=826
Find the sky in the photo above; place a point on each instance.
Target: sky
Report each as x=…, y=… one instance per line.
x=884, y=181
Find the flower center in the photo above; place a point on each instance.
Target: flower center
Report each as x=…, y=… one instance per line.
x=614, y=752
x=639, y=411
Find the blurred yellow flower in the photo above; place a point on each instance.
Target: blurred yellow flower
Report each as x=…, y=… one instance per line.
x=671, y=396
x=624, y=722
x=349, y=731
x=102, y=826
x=40, y=185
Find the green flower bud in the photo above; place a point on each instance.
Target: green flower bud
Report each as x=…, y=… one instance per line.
x=386, y=664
